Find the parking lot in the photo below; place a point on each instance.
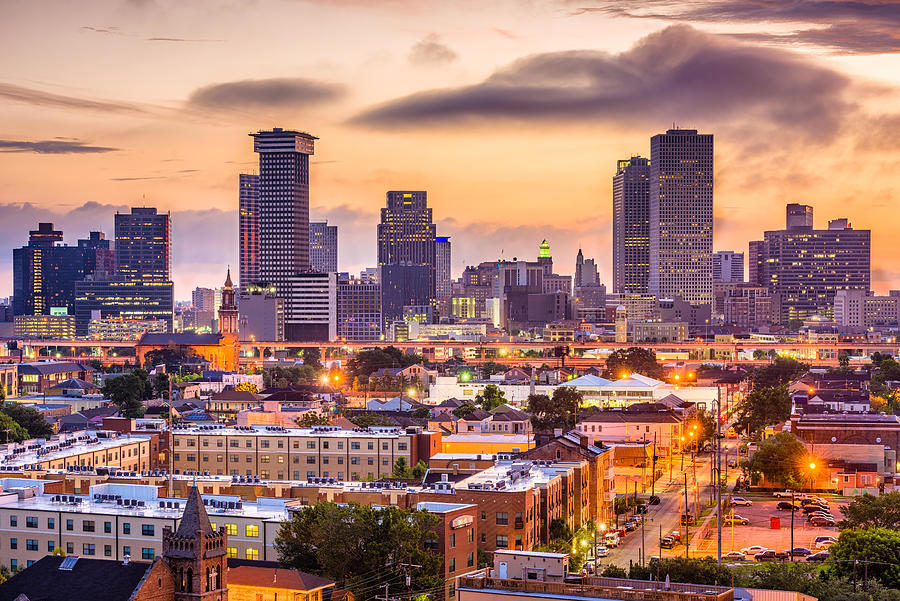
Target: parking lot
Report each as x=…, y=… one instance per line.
x=760, y=531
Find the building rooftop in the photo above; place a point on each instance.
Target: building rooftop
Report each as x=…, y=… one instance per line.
x=86, y=578
x=46, y=368
x=182, y=339
x=319, y=431
x=435, y=507
x=61, y=446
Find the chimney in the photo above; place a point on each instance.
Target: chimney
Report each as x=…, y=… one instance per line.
x=584, y=440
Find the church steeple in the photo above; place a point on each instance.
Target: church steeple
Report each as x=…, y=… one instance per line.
x=197, y=554
x=228, y=311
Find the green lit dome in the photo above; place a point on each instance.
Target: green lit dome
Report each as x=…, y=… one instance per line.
x=544, y=250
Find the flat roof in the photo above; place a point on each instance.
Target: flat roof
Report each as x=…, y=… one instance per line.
x=84, y=442
x=264, y=430
x=533, y=554
x=436, y=507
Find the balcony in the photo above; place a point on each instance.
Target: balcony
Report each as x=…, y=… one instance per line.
x=597, y=588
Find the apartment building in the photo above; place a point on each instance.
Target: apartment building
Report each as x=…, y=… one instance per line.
x=115, y=520
x=454, y=539
x=278, y=453
x=133, y=452
x=662, y=427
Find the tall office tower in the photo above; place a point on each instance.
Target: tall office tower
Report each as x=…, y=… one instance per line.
x=755, y=257
x=404, y=285
x=586, y=273
x=728, y=266
x=799, y=216
x=44, y=273
x=631, y=226
x=283, y=204
x=681, y=215
x=442, y=284
x=359, y=310
x=310, y=307
x=323, y=247
x=248, y=228
x=407, y=233
x=204, y=299
x=805, y=267
x=142, y=245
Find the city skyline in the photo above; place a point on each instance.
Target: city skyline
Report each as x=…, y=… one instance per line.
x=179, y=146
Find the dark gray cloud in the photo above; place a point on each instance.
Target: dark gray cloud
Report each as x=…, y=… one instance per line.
x=846, y=26
x=276, y=92
x=56, y=146
x=677, y=73
x=39, y=98
x=431, y=51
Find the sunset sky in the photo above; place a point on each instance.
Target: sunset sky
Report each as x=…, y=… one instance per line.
x=511, y=114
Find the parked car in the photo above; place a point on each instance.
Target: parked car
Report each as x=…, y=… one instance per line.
x=738, y=520
x=686, y=518
x=820, y=556
x=588, y=567
x=734, y=556
x=786, y=506
x=654, y=500
x=676, y=535
x=813, y=501
x=821, y=521
x=768, y=555
x=637, y=519
x=629, y=526
x=602, y=551
x=824, y=544
x=783, y=494
x=753, y=550
x=798, y=552
x=819, y=514
x=732, y=463
x=741, y=502
x=666, y=542
x=808, y=509
x=824, y=537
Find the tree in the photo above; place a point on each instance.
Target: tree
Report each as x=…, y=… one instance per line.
x=419, y=470
x=491, y=397
x=781, y=459
x=492, y=367
x=762, y=407
x=310, y=419
x=705, y=422
x=878, y=546
x=401, y=468
x=560, y=411
x=634, y=360
x=172, y=357
x=887, y=370
x=759, y=355
x=161, y=385
x=422, y=413
x=247, y=387
x=779, y=372
x=10, y=431
x=312, y=357
x=29, y=418
x=126, y=392
x=844, y=359
x=374, y=542
x=868, y=511
x=464, y=410
x=371, y=418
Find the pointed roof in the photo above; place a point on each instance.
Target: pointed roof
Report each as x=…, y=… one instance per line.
x=195, y=517
x=228, y=283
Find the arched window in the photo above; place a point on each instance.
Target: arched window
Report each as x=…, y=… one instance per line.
x=208, y=580
x=190, y=580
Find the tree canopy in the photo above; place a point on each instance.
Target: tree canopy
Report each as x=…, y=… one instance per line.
x=310, y=419
x=634, y=360
x=464, y=410
x=172, y=357
x=374, y=542
x=127, y=393
x=370, y=361
x=762, y=407
x=559, y=411
x=878, y=546
x=781, y=459
x=491, y=397
x=490, y=368
x=30, y=419
x=868, y=511
x=779, y=372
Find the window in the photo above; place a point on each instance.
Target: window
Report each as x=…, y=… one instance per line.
x=107, y=527
x=340, y=444
x=264, y=459
x=470, y=560
x=470, y=535
x=518, y=541
x=384, y=461
x=31, y=544
x=340, y=461
x=205, y=458
x=502, y=518
x=205, y=443
x=87, y=549
x=280, y=444
x=13, y=543
x=324, y=444
x=51, y=523
x=14, y=564
x=249, y=444
x=452, y=540
x=502, y=541
x=50, y=546
x=310, y=474
x=264, y=444
x=233, y=443
x=249, y=459
x=70, y=548
x=231, y=529
x=13, y=521
x=126, y=528
x=354, y=446
x=87, y=525
x=126, y=550
x=325, y=460
x=371, y=446
x=147, y=530
x=310, y=444
x=176, y=456
x=484, y=515
x=107, y=550
x=354, y=460
x=232, y=551
x=281, y=459
x=384, y=446
x=310, y=459
x=147, y=553
x=371, y=461
x=31, y=522
x=252, y=553
x=401, y=446
x=296, y=444
x=192, y=458
x=483, y=537
x=252, y=530
x=70, y=525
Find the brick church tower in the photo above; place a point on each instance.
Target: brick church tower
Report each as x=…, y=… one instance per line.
x=228, y=311
x=197, y=555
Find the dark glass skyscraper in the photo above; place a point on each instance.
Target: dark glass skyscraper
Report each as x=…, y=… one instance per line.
x=681, y=215
x=406, y=235
x=283, y=204
x=248, y=228
x=142, y=245
x=631, y=226
x=45, y=273
x=404, y=284
x=442, y=282
x=323, y=247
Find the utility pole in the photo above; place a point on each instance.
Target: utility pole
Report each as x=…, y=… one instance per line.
x=685, y=517
x=792, y=525
x=171, y=442
x=718, y=476
x=653, y=475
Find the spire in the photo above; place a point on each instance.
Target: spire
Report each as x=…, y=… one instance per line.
x=228, y=283
x=195, y=517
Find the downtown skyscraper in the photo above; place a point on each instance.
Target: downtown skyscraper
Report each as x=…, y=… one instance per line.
x=283, y=204
x=323, y=247
x=631, y=226
x=248, y=228
x=442, y=282
x=681, y=215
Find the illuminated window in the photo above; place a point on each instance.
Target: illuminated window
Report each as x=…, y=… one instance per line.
x=252, y=554
x=252, y=530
